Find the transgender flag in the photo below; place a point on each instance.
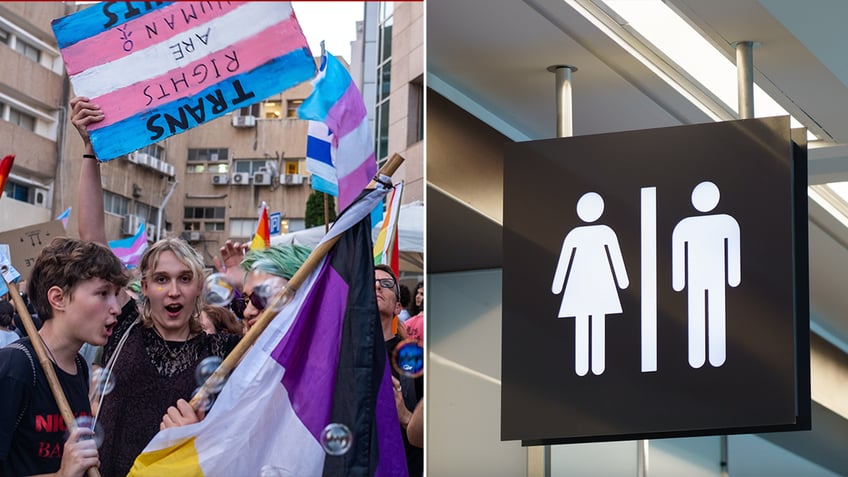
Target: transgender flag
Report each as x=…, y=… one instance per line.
x=336, y=102
x=321, y=360
x=160, y=68
x=129, y=250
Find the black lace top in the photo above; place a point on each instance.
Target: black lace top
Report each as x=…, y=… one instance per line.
x=150, y=374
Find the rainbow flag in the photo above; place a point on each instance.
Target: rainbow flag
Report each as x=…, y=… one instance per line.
x=129, y=250
x=337, y=102
x=386, y=245
x=321, y=361
x=262, y=237
x=160, y=68
x=5, y=169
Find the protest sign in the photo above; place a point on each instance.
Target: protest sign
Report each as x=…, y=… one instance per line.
x=26, y=243
x=160, y=68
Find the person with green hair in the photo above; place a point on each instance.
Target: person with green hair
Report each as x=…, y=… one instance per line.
x=260, y=274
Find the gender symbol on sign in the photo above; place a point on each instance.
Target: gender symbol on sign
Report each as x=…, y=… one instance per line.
x=705, y=259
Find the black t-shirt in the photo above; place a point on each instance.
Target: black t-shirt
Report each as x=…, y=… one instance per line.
x=32, y=431
x=412, y=390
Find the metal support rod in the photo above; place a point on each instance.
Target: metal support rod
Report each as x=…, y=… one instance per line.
x=161, y=209
x=745, y=78
x=563, y=99
x=642, y=447
x=723, y=463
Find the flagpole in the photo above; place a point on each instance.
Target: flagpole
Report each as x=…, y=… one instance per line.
x=46, y=364
x=326, y=213
x=280, y=300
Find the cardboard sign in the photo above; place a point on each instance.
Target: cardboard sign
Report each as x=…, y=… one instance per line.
x=26, y=243
x=160, y=68
x=655, y=284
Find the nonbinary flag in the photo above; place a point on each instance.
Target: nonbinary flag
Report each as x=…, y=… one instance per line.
x=321, y=361
x=160, y=68
x=64, y=216
x=386, y=245
x=5, y=169
x=129, y=250
x=262, y=237
x=337, y=102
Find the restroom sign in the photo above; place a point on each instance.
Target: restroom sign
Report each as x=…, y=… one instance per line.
x=655, y=284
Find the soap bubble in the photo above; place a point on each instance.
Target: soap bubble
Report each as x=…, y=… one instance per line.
x=89, y=422
x=102, y=382
x=217, y=291
x=204, y=372
x=206, y=402
x=336, y=439
x=270, y=471
x=408, y=358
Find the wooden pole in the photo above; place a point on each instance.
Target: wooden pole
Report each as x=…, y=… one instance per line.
x=277, y=303
x=326, y=213
x=46, y=364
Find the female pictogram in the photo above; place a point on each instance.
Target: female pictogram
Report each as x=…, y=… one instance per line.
x=591, y=286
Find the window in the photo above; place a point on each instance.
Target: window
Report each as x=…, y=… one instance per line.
x=22, y=119
x=154, y=150
x=211, y=168
x=249, y=165
x=415, y=129
x=292, y=167
x=27, y=49
x=204, y=218
x=4, y=36
x=209, y=154
x=147, y=212
x=291, y=107
x=242, y=227
x=384, y=89
x=252, y=110
x=115, y=203
x=272, y=109
x=17, y=191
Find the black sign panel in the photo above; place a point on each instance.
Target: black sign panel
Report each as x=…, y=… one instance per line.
x=655, y=284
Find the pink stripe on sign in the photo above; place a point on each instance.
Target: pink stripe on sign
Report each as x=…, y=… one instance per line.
x=347, y=113
x=143, y=31
x=352, y=184
x=199, y=75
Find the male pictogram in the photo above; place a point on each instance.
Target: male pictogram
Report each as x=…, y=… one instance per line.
x=705, y=259
x=591, y=286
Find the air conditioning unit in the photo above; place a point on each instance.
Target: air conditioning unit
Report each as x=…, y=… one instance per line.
x=241, y=178
x=220, y=179
x=151, y=233
x=171, y=170
x=292, y=179
x=244, y=121
x=129, y=226
x=261, y=178
x=154, y=163
x=143, y=158
x=133, y=157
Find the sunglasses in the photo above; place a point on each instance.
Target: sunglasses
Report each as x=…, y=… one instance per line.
x=259, y=298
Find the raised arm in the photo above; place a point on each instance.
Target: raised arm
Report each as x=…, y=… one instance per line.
x=91, y=218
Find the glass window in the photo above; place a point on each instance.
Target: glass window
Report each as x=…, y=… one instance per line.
x=272, y=109
x=27, y=49
x=249, y=165
x=115, y=203
x=195, y=168
x=415, y=129
x=215, y=154
x=17, y=191
x=22, y=119
x=291, y=107
x=242, y=227
x=213, y=226
x=4, y=36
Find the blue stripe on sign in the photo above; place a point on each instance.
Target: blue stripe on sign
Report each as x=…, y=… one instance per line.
x=318, y=150
x=132, y=133
x=94, y=19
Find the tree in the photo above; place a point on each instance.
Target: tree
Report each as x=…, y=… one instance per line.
x=314, y=214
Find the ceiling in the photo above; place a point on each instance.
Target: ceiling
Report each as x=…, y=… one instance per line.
x=491, y=59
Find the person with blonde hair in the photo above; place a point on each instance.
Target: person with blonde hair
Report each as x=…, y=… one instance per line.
x=155, y=349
